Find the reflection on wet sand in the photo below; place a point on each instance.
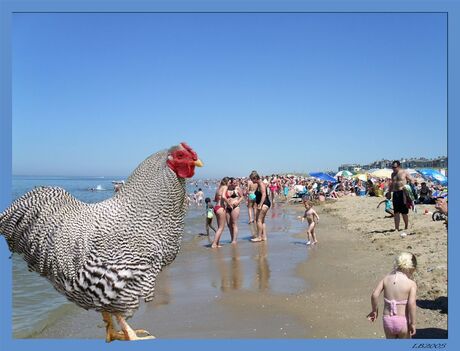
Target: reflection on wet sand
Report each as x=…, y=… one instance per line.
x=162, y=291
x=230, y=270
x=262, y=276
x=253, y=230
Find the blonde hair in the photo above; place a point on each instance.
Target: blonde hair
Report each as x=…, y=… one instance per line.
x=405, y=261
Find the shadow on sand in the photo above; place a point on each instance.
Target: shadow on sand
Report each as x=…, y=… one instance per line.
x=439, y=304
x=382, y=231
x=430, y=333
x=433, y=333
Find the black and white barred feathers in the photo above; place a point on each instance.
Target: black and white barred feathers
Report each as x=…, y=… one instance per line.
x=103, y=256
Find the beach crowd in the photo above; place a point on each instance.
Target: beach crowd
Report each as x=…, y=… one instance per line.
x=401, y=193
x=259, y=193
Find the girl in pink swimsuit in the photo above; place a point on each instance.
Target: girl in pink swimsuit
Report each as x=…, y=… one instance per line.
x=399, y=292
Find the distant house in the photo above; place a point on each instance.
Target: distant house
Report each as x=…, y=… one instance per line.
x=440, y=162
x=352, y=167
x=380, y=164
x=421, y=162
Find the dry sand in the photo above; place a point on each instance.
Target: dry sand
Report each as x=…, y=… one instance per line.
x=284, y=289
x=426, y=238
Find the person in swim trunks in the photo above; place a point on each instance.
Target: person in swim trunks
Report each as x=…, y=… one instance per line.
x=400, y=293
x=263, y=205
x=399, y=179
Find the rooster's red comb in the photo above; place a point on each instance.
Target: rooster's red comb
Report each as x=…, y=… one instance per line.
x=189, y=149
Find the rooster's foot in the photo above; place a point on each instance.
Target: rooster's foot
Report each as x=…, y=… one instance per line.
x=122, y=336
x=128, y=333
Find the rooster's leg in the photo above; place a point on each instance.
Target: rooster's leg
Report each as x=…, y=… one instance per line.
x=129, y=333
x=111, y=333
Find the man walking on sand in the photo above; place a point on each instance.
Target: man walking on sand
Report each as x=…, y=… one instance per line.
x=399, y=178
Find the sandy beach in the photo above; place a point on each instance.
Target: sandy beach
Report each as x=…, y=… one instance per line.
x=284, y=289
x=123, y=140
x=426, y=238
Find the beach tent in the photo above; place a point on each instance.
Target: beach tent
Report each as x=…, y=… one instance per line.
x=345, y=174
x=323, y=176
x=382, y=173
x=411, y=171
x=433, y=175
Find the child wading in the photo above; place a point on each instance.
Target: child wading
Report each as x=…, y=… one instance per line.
x=312, y=219
x=399, y=292
x=209, y=215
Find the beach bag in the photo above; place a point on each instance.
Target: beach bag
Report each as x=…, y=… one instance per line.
x=410, y=200
x=409, y=192
x=210, y=213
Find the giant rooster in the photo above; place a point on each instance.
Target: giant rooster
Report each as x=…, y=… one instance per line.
x=106, y=256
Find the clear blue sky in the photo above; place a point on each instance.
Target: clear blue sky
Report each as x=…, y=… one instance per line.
x=94, y=94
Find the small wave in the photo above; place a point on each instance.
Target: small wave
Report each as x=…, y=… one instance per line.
x=98, y=187
x=48, y=320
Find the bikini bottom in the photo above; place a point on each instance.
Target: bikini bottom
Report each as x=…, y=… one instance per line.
x=394, y=324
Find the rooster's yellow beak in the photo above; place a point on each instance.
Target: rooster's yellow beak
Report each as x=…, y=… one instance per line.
x=198, y=163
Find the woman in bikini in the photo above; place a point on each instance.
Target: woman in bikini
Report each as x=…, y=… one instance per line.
x=219, y=210
x=234, y=198
x=399, y=292
x=263, y=205
x=273, y=188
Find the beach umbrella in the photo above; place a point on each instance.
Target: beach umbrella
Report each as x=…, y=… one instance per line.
x=432, y=174
x=361, y=176
x=372, y=170
x=345, y=174
x=382, y=173
x=323, y=176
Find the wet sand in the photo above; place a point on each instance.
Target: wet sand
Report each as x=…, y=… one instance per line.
x=277, y=289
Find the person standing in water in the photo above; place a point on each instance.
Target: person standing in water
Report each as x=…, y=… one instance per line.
x=252, y=187
x=263, y=205
x=219, y=210
x=199, y=197
x=234, y=197
x=209, y=215
x=312, y=219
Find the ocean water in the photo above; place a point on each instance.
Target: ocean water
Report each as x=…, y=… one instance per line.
x=35, y=302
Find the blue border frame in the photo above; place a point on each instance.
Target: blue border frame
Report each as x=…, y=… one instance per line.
x=8, y=7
